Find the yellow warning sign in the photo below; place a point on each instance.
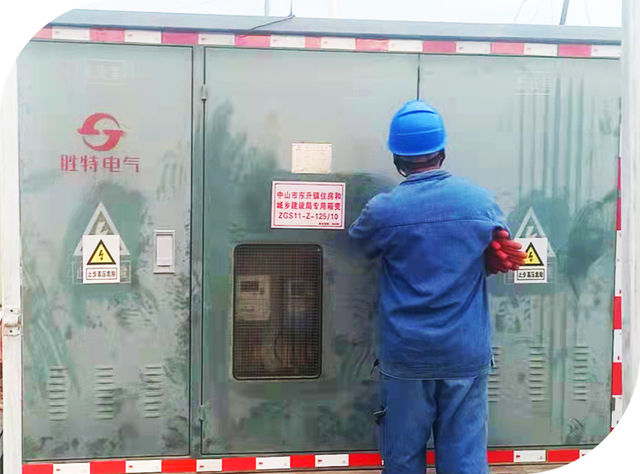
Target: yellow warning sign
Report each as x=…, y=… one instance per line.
x=101, y=256
x=533, y=259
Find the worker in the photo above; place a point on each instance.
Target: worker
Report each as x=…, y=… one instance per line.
x=438, y=237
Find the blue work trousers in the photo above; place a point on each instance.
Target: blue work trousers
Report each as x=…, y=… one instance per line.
x=456, y=410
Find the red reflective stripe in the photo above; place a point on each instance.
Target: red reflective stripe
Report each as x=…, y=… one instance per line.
x=306, y=461
x=431, y=457
x=619, y=202
x=260, y=41
x=438, y=46
x=37, y=469
x=372, y=45
x=179, y=38
x=365, y=459
x=574, y=50
x=563, y=455
x=239, y=464
x=303, y=461
x=617, y=312
x=106, y=35
x=619, y=214
x=44, y=33
x=507, y=48
x=179, y=465
x=312, y=42
x=500, y=457
x=108, y=467
x=616, y=379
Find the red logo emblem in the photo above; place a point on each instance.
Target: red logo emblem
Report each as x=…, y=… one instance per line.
x=89, y=129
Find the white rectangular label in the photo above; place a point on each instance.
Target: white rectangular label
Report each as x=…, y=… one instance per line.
x=584, y=452
x=164, y=249
x=540, y=49
x=307, y=205
x=143, y=466
x=338, y=43
x=405, y=46
x=616, y=414
x=142, y=36
x=617, y=279
x=216, y=40
x=283, y=462
x=100, y=259
x=606, y=51
x=617, y=345
x=312, y=158
x=209, y=465
x=332, y=460
x=473, y=47
x=71, y=34
x=280, y=41
x=74, y=468
x=536, y=264
x=530, y=456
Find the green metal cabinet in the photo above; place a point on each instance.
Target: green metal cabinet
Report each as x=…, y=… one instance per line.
x=261, y=340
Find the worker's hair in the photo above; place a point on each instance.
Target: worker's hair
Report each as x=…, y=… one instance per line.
x=411, y=164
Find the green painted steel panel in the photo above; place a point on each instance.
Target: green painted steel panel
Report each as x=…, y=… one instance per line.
x=543, y=135
x=540, y=133
x=260, y=102
x=106, y=367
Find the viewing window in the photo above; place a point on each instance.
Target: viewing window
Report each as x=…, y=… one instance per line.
x=277, y=311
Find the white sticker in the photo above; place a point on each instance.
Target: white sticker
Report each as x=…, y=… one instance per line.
x=305, y=205
x=535, y=267
x=100, y=259
x=312, y=158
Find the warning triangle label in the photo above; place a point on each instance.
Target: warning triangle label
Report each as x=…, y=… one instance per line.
x=533, y=259
x=531, y=228
x=101, y=224
x=101, y=256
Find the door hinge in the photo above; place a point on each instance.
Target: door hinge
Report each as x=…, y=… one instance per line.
x=204, y=91
x=200, y=413
x=12, y=321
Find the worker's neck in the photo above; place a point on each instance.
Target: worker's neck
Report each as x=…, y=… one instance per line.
x=423, y=170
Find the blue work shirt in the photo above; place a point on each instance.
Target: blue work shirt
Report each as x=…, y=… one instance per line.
x=431, y=233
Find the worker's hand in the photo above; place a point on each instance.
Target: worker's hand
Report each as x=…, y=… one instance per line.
x=503, y=254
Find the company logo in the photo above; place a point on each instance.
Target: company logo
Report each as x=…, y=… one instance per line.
x=103, y=139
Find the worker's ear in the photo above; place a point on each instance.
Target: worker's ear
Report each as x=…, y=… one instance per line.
x=399, y=167
x=442, y=157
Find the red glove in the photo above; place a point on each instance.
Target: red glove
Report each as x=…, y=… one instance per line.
x=503, y=254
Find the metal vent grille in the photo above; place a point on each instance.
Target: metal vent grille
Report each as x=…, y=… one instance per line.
x=495, y=375
x=104, y=392
x=152, y=390
x=104, y=71
x=277, y=311
x=58, y=391
x=538, y=377
x=581, y=373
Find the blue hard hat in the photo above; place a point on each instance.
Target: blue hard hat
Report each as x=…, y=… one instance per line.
x=416, y=129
